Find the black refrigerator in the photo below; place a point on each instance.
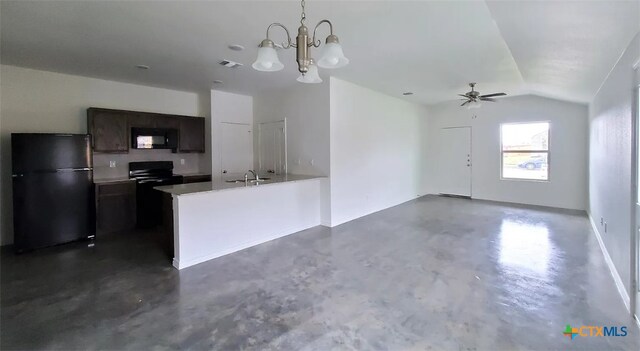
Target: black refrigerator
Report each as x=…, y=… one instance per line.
x=53, y=200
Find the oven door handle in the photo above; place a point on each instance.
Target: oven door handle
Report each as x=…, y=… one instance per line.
x=150, y=181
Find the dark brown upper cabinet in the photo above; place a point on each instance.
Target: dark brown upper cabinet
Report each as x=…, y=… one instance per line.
x=141, y=120
x=191, y=134
x=109, y=130
x=170, y=122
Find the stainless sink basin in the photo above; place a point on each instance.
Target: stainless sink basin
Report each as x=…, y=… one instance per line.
x=242, y=180
x=261, y=180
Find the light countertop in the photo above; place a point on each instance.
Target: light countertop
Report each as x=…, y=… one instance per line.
x=194, y=174
x=218, y=184
x=105, y=180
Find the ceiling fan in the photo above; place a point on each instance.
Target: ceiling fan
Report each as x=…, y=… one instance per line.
x=473, y=97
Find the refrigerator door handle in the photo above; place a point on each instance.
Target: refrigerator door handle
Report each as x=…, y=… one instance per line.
x=74, y=169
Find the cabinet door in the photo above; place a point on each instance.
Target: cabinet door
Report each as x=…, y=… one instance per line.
x=109, y=130
x=115, y=207
x=192, y=134
x=168, y=122
x=142, y=120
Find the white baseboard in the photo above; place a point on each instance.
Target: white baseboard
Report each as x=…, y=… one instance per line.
x=612, y=268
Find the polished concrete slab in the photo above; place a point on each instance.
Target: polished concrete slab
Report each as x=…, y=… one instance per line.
x=431, y=274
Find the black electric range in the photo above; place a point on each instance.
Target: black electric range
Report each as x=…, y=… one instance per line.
x=148, y=175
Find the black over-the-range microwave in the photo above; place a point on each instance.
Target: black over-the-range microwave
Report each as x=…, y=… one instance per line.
x=154, y=138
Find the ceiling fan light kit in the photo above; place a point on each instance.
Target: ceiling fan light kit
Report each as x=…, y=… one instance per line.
x=473, y=99
x=332, y=55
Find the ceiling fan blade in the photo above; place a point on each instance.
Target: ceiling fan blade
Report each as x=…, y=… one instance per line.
x=487, y=99
x=492, y=95
x=466, y=102
x=463, y=95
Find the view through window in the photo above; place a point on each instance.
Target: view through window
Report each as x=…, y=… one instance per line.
x=525, y=151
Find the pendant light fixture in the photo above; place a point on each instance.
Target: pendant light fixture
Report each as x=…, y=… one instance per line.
x=332, y=55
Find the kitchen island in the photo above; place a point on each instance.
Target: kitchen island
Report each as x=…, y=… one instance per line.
x=212, y=219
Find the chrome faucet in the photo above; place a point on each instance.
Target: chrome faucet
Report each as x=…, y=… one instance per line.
x=255, y=175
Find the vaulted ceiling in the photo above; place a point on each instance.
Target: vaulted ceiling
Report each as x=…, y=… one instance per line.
x=560, y=49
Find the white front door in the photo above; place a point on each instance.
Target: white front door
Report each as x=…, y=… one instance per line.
x=236, y=148
x=455, y=161
x=272, y=147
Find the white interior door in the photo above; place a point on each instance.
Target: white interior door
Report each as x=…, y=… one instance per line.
x=236, y=148
x=455, y=161
x=272, y=147
x=636, y=109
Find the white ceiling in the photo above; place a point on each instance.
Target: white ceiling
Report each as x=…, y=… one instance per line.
x=566, y=49
x=558, y=49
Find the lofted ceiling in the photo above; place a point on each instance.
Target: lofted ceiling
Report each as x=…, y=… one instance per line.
x=560, y=49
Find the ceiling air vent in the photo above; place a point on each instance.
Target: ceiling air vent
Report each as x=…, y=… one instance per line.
x=230, y=64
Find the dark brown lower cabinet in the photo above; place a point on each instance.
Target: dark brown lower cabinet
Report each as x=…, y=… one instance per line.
x=115, y=207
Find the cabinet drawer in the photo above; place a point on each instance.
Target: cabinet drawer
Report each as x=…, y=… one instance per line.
x=116, y=188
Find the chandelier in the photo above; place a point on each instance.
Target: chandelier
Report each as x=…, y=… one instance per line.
x=332, y=55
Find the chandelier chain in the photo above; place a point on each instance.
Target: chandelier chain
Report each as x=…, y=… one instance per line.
x=303, y=16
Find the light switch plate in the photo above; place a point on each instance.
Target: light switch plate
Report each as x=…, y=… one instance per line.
x=112, y=164
x=182, y=161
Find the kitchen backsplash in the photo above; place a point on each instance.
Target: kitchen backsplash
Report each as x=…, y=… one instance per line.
x=102, y=169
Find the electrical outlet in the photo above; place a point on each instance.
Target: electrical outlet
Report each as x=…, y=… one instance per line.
x=112, y=164
x=182, y=161
x=312, y=162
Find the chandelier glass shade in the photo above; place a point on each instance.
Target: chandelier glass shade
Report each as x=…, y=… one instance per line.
x=474, y=104
x=332, y=54
x=267, y=60
x=311, y=76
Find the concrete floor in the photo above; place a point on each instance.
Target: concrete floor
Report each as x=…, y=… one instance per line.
x=431, y=274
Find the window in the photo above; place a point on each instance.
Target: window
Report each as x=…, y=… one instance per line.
x=525, y=151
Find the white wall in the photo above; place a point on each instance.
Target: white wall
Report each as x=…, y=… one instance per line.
x=377, y=151
x=227, y=108
x=567, y=185
x=306, y=109
x=610, y=174
x=39, y=101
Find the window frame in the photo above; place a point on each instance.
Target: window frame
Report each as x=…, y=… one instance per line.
x=548, y=152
